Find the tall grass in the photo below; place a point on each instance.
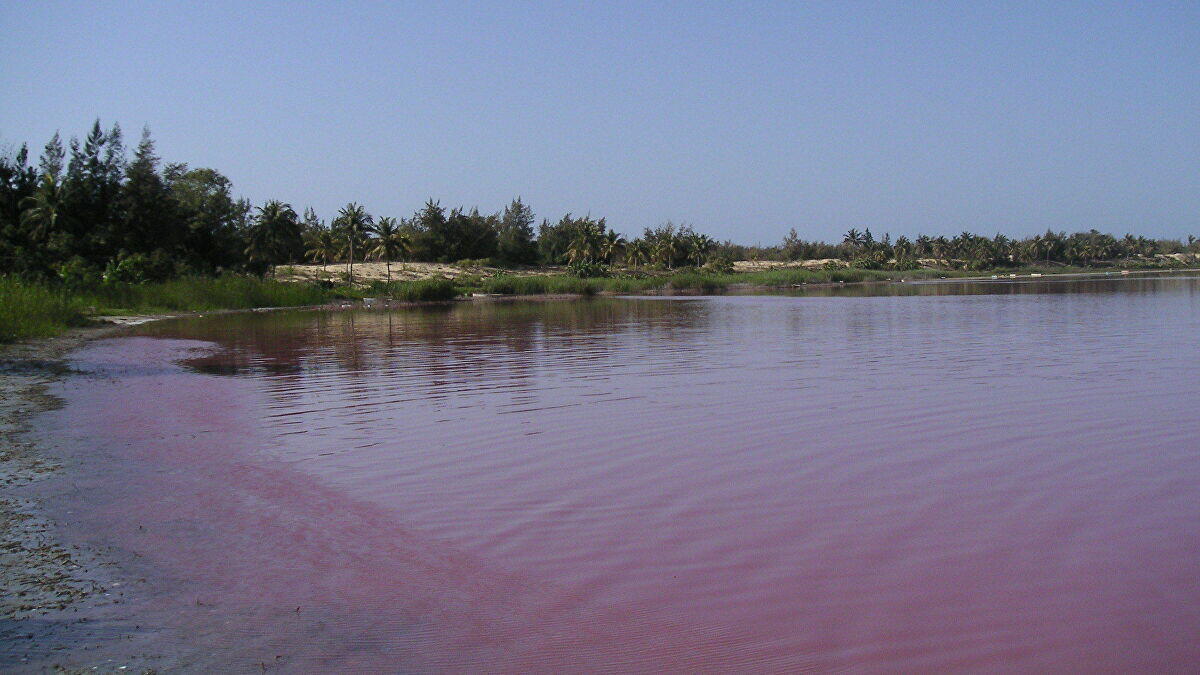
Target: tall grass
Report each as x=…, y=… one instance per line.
x=683, y=280
x=539, y=285
x=30, y=310
x=204, y=294
x=423, y=290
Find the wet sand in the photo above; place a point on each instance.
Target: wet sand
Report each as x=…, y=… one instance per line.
x=44, y=580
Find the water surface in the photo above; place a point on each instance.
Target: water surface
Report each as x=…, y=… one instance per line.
x=968, y=476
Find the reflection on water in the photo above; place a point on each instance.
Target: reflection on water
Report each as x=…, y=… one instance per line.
x=936, y=476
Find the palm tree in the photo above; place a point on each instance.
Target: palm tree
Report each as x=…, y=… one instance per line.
x=587, y=245
x=637, y=252
x=698, y=246
x=666, y=249
x=275, y=229
x=353, y=222
x=610, y=245
x=42, y=211
x=390, y=243
x=323, y=246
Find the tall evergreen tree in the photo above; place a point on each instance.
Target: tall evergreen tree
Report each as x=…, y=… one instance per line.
x=429, y=231
x=515, y=239
x=148, y=220
x=53, y=158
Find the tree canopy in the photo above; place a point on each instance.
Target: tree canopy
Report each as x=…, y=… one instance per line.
x=87, y=208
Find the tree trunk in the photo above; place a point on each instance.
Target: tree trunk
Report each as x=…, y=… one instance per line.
x=351, y=261
x=388, y=263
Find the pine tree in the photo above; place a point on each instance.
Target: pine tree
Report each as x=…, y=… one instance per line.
x=516, y=239
x=148, y=220
x=53, y=157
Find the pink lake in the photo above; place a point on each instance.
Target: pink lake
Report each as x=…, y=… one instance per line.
x=941, y=477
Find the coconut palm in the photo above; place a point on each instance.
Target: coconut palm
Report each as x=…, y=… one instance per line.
x=389, y=243
x=42, y=212
x=587, y=245
x=665, y=249
x=353, y=222
x=323, y=246
x=610, y=245
x=272, y=236
x=637, y=252
x=698, y=246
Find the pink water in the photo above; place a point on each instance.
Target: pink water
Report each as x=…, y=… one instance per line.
x=1006, y=479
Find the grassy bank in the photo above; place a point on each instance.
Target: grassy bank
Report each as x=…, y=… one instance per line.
x=33, y=310
x=685, y=280
x=202, y=294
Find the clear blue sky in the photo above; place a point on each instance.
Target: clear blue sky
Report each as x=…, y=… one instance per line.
x=744, y=119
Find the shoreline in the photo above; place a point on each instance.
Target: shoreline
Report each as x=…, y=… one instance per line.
x=42, y=575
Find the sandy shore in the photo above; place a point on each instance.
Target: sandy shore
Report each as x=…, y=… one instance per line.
x=43, y=579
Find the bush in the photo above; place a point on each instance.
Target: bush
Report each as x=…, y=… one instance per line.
x=587, y=269
x=719, y=265
x=77, y=273
x=467, y=263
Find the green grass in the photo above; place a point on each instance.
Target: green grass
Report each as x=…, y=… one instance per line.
x=506, y=284
x=204, y=294
x=424, y=290
x=682, y=281
x=32, y=310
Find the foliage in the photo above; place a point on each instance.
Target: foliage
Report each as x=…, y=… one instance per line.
x=29, y=309
x=515, y=238
x=137, y=268
x=423, y=290
x=78, y=273
x=204, y=294
x=274, y=237
x=538, y=285
x=718, y=265
x=353, y=223
x=389, y=243
x=586, y=269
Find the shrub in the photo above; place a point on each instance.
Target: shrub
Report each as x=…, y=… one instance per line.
x=588, y=269
x=468, y=263
x=719, y=265
x=77, y=273
x=137, y=269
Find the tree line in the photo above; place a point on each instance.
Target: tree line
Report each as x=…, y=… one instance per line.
x=973, y=251
x=87, y=211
